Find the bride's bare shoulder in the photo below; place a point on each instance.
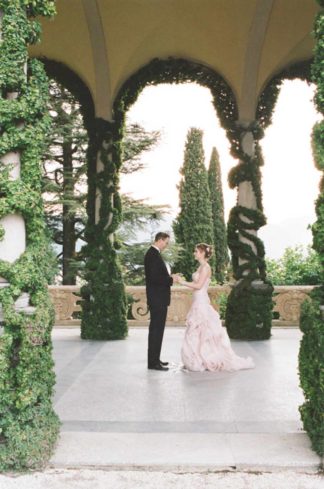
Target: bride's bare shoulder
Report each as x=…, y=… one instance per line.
x=207, y=268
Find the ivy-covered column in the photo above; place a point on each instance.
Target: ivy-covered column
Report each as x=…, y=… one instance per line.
x=249, y=307
x=103, y=297
x=13, y=242
x=28, y=424
x=311, y=354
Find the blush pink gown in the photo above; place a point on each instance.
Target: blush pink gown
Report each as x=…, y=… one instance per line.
x=206, y=344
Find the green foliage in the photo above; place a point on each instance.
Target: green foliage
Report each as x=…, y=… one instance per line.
x=311, y=372
x=178, y=70
x=249, y=311
x=249, y=266
x=252, y=266
x=28, y=425
x=136, y=216
x=132, y=259
x=136, y=141
x=217, y=202
x=194, y=223
x=318, y=230
x=311, y=356
x=181, y=71
x=103, y=297
x=248, y=259
x=65, y=185
x=297, y=266
x=222, y=303
x=157, y=71
x=269, y=95
x=64, y=179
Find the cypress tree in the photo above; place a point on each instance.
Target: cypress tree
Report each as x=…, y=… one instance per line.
x=217, y=203
x=64, y=179
x=194, y=223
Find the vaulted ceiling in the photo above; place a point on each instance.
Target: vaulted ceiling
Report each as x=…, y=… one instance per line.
x=246, y=41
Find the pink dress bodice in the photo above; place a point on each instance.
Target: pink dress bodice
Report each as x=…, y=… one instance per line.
x=201, y=294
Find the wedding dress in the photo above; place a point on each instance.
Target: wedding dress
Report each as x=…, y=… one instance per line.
x=206, y=344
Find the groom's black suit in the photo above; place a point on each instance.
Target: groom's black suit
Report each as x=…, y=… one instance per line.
x=158, y=293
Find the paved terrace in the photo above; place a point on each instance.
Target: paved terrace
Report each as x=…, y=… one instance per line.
x=119, y=415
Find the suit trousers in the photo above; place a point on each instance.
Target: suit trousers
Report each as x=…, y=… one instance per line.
x=156, y=330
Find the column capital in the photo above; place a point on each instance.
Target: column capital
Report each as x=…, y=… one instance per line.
x=243, y=127
x=102, y=128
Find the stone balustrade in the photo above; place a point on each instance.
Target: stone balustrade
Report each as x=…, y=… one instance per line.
x=287, y=302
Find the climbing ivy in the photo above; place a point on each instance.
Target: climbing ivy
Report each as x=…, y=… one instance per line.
x=173, y=70
x=28, y=425
x=249, y=304
x=177, y=70
x=311, y=354
x=104, y=299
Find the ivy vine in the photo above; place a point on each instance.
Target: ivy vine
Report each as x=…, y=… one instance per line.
x=174, y=70
x=104, y=298
x=28, y=425
x=249, y=309
x=311, y=359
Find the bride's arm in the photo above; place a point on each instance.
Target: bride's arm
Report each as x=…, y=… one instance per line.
x=203, y=276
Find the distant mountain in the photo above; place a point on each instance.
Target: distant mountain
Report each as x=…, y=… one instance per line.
x=276, y=236
x=290, y=232
x=148, y=234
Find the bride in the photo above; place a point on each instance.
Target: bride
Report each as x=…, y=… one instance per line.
x=206, y=345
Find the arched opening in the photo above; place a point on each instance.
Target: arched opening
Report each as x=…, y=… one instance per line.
x=173, y=110
x=289, y=160
x=73, y=83
x=64, y=182
x=290, y=179
x=108, y=208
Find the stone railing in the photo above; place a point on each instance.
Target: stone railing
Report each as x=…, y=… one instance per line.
x=287, y=301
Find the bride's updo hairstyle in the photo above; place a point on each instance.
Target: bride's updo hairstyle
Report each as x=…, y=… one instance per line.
x=206, y=248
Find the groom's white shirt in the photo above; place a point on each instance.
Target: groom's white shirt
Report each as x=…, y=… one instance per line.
x=166, y=264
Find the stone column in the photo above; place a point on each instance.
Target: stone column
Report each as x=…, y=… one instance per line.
x=104, y=299
x=249, y=306
x=28, y=425
x=245, y=193
x=13, y=243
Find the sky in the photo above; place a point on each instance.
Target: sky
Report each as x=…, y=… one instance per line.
x=290, y=179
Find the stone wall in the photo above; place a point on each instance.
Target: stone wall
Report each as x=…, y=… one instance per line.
x=287, y=301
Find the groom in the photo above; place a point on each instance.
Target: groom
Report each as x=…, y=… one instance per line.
x=158, y=293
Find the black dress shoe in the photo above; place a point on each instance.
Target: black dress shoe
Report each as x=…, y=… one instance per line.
x=158, y=366
x=164, y=364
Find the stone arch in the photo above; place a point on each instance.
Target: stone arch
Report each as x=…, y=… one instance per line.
x=103, y=303
x=74, y=83
x=178, y=70
x=269, y=94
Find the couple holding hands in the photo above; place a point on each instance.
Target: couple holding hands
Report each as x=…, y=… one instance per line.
x=206, y=345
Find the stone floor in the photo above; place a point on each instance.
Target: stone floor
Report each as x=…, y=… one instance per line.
x=116, y=414
x=103, y=479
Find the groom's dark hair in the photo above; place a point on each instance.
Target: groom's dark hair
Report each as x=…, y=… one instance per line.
x=161, y=235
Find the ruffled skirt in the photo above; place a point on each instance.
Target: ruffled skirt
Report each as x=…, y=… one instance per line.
x=206, y=344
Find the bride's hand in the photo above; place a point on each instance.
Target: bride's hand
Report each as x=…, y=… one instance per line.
x=176, y=278
x=180, y=278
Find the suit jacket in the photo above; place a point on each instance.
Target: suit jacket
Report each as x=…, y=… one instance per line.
x=158, y=280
